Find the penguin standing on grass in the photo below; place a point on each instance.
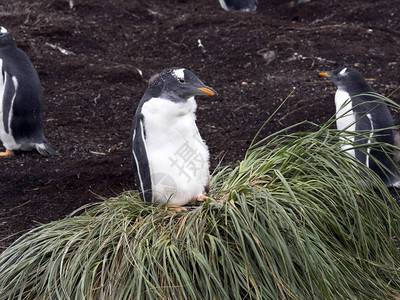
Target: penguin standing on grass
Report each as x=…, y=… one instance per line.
x=170, y=159
x=20, y=101
x=360, y=109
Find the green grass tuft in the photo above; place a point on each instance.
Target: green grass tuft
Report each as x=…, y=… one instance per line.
x=294, y=220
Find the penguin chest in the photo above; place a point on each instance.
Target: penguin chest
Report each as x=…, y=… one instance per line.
x=345, y=116
x=178, y=157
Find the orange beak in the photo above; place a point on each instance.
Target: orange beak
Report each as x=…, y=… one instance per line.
x=324, y=74
x=207, y=91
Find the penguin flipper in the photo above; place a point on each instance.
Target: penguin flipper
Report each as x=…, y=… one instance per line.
x=140, y=161
x=9, y=92
x=364, y=126
x=380, y=159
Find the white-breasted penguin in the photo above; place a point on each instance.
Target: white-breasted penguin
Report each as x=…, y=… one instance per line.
x=20, y=100
x=170, y=159
x=244, y=5
x=367, y=114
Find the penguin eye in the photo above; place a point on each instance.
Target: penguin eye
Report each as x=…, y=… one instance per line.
x=182, y=80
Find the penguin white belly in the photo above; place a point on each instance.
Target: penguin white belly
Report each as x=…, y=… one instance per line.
x=7, y=138
x=178, y=157
x=345, y=118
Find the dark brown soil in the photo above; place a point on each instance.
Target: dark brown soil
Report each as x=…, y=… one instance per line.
x=252, y=60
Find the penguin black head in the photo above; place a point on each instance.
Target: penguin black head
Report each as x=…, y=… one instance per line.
x=6, y=38
x=348, y=79
x=178, y=85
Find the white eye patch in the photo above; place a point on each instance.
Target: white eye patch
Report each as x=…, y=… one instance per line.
x=179, y=73
x=3, y=30
x=343, y=72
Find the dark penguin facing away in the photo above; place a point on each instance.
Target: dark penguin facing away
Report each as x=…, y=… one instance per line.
x=366, y=113
x=245, y=5
x=170, y=159
x=20, y=100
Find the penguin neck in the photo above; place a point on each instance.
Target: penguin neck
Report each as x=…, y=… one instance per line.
x=171, y=96
x=7, y=42
x=169, y=122
x=165, y=109
x=361, y=87
x=342, y=100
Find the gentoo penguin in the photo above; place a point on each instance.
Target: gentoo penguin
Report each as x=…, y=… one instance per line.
x=170, y=159
x=244, y=5
x=20, y=100
x=365, y=113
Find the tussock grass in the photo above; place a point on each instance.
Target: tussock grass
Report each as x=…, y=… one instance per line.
x=294, y=220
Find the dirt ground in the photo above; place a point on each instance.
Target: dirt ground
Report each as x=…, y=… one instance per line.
x=94, y=61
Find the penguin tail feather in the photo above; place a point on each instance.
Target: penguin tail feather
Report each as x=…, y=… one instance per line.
x=45, y=149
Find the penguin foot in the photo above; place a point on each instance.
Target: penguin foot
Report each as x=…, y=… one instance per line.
x=7, y=153
x=177, y=208
x=201, y=198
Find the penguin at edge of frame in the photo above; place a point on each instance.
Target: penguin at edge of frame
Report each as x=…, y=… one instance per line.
x=170, y=159
x=367, y=113
x=21, y=96
x=244, y=5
